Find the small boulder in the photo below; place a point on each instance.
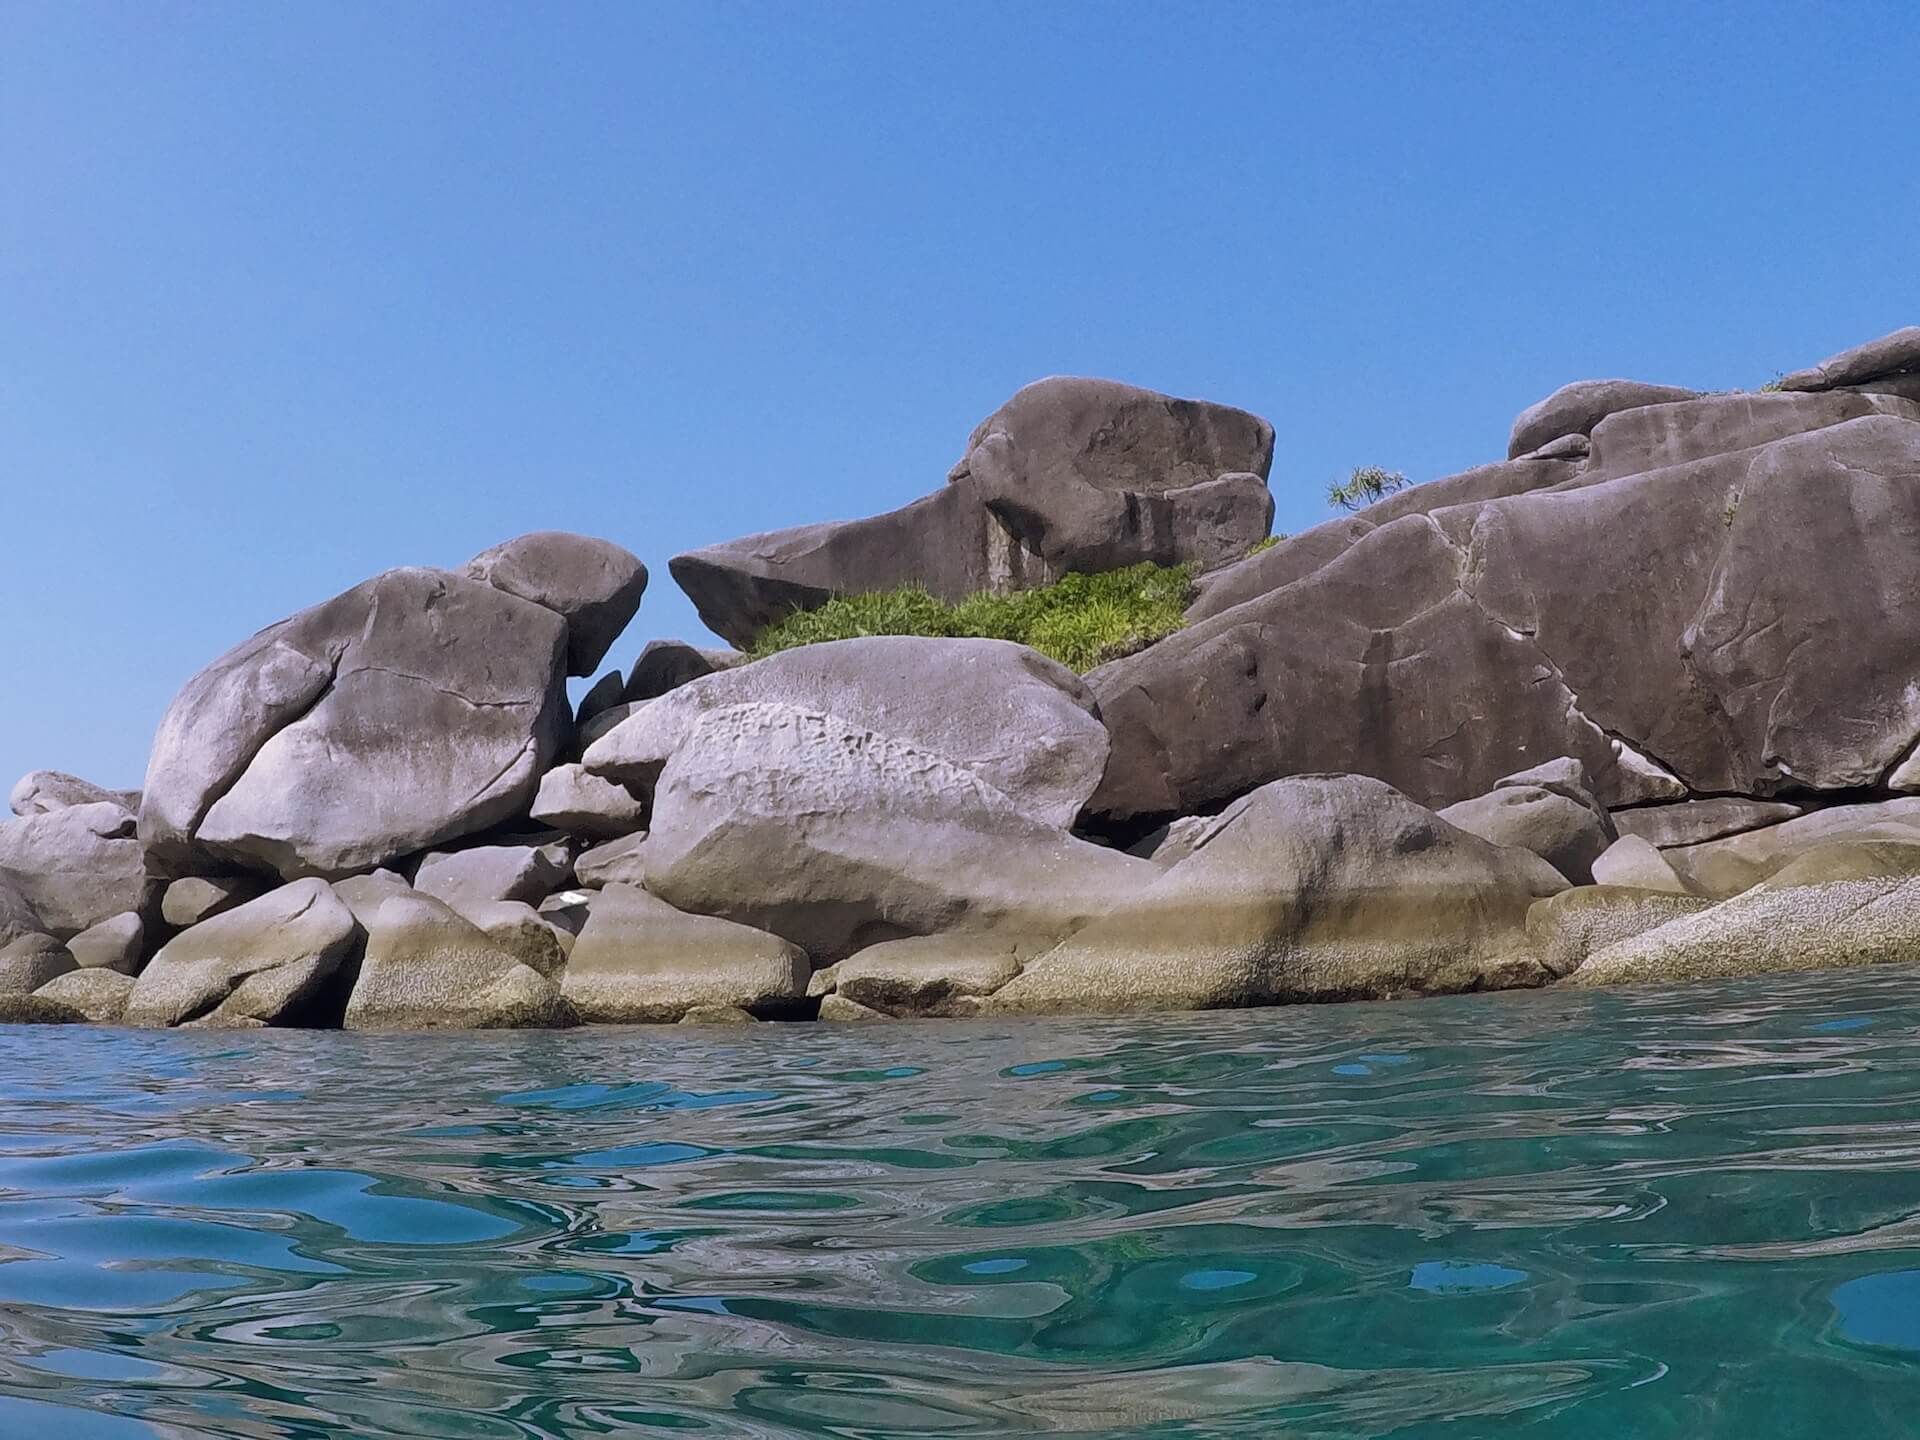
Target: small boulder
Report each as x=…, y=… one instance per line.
x=1694, y=822
x=1575, y=409
x=518, y=929
x=1890, y=355
x=927, y=974
x=530, y=870
x=76, y=865
x=30, y=962
x=365, y=894
x=37, y=1010
x=603, y=694
x=641, y=961
x=265, y=962
x=1631, y=863
x=618, y=862
x=40, y=792
x=17, y=916
x=718, y=1015
x=116, y=943
x=838, y=1009
x=1566, y=833
x=194, y=898
x=594, y=585
x=668, y=664
x=577, y=802
x=1569, y=927
x=426, y=967
x=99, y=995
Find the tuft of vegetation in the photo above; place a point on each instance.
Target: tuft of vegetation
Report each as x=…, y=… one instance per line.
x=1367, y=485
x=1265, y=545
x=1080, y=620
x=1773, y=386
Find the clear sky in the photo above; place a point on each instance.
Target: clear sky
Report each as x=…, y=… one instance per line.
x=290, y=294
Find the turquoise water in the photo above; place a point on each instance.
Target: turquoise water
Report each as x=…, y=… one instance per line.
x=1662, y=1213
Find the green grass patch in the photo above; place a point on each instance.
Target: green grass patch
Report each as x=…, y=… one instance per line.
x=1262, y=546
x=1081, y=620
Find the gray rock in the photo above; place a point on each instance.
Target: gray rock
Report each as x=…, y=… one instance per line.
x=1634, y=864
x=837, y=1009
x=30, y=962
x=1665, y=436
x=17, y=915
x=530, y=870
x=943, y=975
x=668, y=664
x=267, y=961
x=1069, y=474
x=194, y=898
x=365, y=894
x=601, y=696
x=413, y=709
x=717, y=1015
x=1739, y=862
x=640, y=960
x=116, y=943
x=603, y=723
x=577, y=802
x=1566, y=929
x=567, y=911
x=518, y=929
x=1561, y=830
x=40, y=792
x=1834, y=905
x=1441, y=652
x=1895, y=354
x=1173, y=842
x=1316, y=888
x=836, y=837
x=1022, y=723
x=37, y=1010
x=1575, y=409
x=593, y=585
x=1693, y=822
x=99, y=995
x=77, y=865
x=1567, y=447
x=618, y=862
x=426, y=968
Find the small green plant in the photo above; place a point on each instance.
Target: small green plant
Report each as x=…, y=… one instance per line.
x=1265, y=545
x=1080, y=620
x=1773, y=386
x=1368, y=485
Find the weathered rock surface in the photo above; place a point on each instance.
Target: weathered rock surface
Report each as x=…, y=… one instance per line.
x=1069, y=474
x=838, y=1009
x=517, y=928
x=573, y=800
x=938, y=975
x=1566, y=929
x=30, y=962
x=427, y=967
x=593, y=585
x=116, y=943
x=527, y=870
x=836, y=837
x=263, y=962
x=40, y=792
x=1726, y=867
x=1666, y=436
x=1316, y=888
x=75, y=866
x=1890, y=355
x=1442, y=651
x=718, y=1015
x=1844, y=903
x=25, y=1009
x=618, y=862
x=1575, y=409
x=194, y=898
x=668, y=664
x=98, y=994
x=1635, y=864
x=413, y=709
x=640, y=960
x=17, y=915
x=365, y=894
x=1693, y=822
x=1022, y=723
x=1565, y=832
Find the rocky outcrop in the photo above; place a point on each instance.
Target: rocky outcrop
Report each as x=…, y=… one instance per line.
x=1890, y=355
x=1558, y=820
x=1068, y=475
x=40, y=792
x=593, y=585
x=98, y=996
x=194, y=898
x=1726, y=867
x=1315, y=888
x=576, y=802
x=17, y=917
x=1568, y=928
x=411, y=710
x=427, y=967
x=75, y=866
x=1693, y=822
x=1022, y=723
x=1635, y=864
x=30, y=962
x=639, y=960
x=1575, y=409
x=668, y=664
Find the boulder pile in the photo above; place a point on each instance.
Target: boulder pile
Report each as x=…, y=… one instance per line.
x=1634, y=703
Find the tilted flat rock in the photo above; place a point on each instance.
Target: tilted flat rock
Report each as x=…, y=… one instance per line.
x=41, y=791
x=577, y=802
x=641, y=961
x=618, y=862
x=116, y=943
x=668, y=664
x=934, y=975
x=1561, y=830
x=594, y=585
x=1739, y=862
x=1698, y=622
x=1632, y=863
x=1835, y=905
x=30, y=962
x=1895, y=354
x=1693, y=822
x=1317, y=888
x=1023, y=723
x=76, y=865
x=1575, y=409
x=1664, y=436
x=836, y=837
x=413, y=709
x=1568, y=928
x=528, y=870
x=518, y=928
x=427, y=967
x=1070, y=474
x=194, y=898
x=263, y=962
x=99, y=995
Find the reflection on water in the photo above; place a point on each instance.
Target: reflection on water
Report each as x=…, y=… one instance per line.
x=1676, y=1213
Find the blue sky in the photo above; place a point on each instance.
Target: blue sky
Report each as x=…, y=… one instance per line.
x=290, y=294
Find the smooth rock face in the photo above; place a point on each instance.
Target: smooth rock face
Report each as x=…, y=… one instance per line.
x=1839, y=904
x=528, y=871
x=75, y=866
x=1440, y=652
x=836, y=837
x=194, y=898
x=1739, y=862
x=116, y=943
x=1069, y=474
x=618, y=862
x=1575, y=409
x=99, y=995
x=573, y=800
x=17, y=916
x=1895, y=354
x=42, y=791
x=639, y=960
x=30, y=962
x=413, y=709
x=927, y=974
x=1317, y=888
x=1566, y=834
x=1693, y=822
x=1022, y=723
x=426, y=967
x=1664, y=436
x=262, y=962
x=1569, y=927
x=668, y=664
x=593, y=585
x=602, y=696
x=517, y=928
x=365, y=894
x=1635, y=864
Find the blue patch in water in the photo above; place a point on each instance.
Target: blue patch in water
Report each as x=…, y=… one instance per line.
x=1881, y=1309
x=1460, y=1277
x=705, y=1304
x=1004, y=1265
x=1036, y=1067
x=1353, y=1069
x=1852, y=1022
x=1389, y=1059
x=1214, y=1279
x=559, y=1284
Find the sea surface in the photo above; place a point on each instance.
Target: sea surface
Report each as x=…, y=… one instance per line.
x=1674, y=1212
